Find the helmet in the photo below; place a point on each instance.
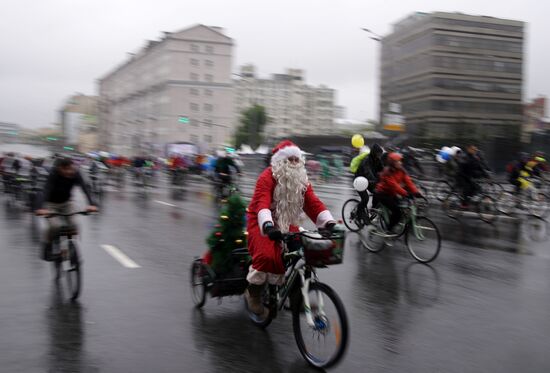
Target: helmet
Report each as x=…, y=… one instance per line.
x=395, y=157
x=360, y=184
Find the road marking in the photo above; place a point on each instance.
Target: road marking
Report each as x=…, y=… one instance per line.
x=165, y=203
x=120, y=256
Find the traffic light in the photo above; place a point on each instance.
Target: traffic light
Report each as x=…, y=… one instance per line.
x=183, y=119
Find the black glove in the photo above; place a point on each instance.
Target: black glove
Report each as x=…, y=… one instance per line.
x=273, y=233
x=418, y=195
x=328, y=229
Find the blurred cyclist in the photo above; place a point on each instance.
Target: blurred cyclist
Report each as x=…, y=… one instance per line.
x=394, y=184
x=57, y=199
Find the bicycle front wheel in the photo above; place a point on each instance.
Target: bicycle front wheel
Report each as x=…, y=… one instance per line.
x=423, y=240
x=323, y=342
x=351, y=215
x=538, y=204
x=73, y=272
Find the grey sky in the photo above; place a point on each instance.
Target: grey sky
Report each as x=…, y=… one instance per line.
x=53, y=48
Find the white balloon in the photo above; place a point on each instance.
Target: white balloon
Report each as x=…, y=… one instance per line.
x=360, y=184
x=439, y=159
x=446, y=149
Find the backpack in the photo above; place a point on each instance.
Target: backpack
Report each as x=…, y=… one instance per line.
x=356, y=162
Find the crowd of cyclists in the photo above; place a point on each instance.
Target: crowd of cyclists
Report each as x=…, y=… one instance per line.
x=454, y=172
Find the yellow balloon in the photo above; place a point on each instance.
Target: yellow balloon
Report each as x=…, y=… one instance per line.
x=357, y=141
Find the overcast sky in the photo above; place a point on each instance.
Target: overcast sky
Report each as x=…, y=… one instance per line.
x=50, y=49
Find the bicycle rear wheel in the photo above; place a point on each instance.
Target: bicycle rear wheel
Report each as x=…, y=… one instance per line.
x=198, y=287
x=451, y=205
x=486, y=209
x=506, y=203
x=351, y=215
x=371, y=238
x=322, y=344
x=442, y=189
x=423, y=240
x=73, y=272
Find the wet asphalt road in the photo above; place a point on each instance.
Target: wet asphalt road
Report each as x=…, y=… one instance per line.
x=482, y=306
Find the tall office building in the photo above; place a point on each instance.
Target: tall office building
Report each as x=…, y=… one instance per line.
x=293, y=107
x=176, y=89
x=453, y=76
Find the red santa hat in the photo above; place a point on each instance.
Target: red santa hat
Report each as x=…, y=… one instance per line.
x=284, y=150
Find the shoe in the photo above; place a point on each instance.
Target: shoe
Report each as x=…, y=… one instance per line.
x=253, y=295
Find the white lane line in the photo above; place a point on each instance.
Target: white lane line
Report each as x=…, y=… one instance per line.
x=120, y=256
x=165, y=203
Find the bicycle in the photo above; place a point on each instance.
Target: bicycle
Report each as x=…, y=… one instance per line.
x=354, y=219
x=484, y=206
x=67, y=262
x=422, y=236
x=531, y=199
x=310, y=309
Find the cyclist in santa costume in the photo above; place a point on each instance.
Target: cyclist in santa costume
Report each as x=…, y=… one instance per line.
x=282, y=193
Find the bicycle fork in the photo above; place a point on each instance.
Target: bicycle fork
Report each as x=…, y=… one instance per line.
x=306, y=280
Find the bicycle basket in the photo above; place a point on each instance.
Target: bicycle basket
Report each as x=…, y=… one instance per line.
x=320, y=252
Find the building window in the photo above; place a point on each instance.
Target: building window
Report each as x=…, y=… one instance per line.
x=194, y=77
x=208, y=107
x=194, y=62
x=207, y=139
x=194, y=47
x=209, y=63
x=208, y=92
x=194, y=92
x=194, y=107
x=194, y=139
x=209, y=49
x=208, y=77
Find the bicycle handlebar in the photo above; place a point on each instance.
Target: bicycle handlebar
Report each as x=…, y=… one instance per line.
x=289, y=236
x=71, y=214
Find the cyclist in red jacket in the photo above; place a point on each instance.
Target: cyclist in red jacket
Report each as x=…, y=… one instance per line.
x=394, y=183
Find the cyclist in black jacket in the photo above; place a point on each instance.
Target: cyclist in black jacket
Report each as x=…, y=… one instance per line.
x=57, y=199
x=369, y=168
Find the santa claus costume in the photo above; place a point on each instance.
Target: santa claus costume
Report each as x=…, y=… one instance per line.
x=282, y=193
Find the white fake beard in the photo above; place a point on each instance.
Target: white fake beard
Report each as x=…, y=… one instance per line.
x=292, y=182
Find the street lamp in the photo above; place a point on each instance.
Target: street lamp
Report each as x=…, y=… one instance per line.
x=374, y=36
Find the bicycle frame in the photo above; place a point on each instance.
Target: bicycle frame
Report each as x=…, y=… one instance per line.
x=306, y=274
x=408, y=219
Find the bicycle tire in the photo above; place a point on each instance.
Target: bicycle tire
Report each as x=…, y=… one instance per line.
x=198, y=298
x=373, y=242
x=442, y=189
x=423, y=222
x=73, y=273
x=349, y=220
x=486, y=209
x=341, y=335
x=538, y=206
x=506, y=202
x=451, y=205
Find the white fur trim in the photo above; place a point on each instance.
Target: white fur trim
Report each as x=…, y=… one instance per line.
x=284, y=153
x=256, y=277
x=264, y=215
x=323, y=218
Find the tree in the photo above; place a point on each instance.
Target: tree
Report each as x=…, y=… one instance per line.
x=253, y=121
